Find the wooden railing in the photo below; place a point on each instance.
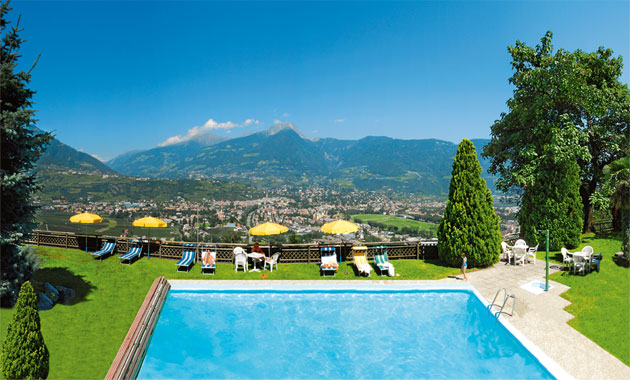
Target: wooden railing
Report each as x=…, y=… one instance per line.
x=290, y=253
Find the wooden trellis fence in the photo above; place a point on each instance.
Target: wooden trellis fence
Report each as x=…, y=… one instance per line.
x=290, y=253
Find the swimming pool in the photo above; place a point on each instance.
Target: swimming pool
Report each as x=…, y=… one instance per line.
x=336, y=332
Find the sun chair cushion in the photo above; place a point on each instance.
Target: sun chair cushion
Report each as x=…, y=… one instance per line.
x=107, y=248
x=133, y=252
x=187, y=259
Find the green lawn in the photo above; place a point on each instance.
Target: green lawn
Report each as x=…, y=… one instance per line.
x=84, y=337
x=397, y=222
x=600, y=301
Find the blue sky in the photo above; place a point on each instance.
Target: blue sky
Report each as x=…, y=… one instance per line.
x=118, y=76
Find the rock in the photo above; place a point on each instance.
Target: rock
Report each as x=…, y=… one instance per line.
x=43, y=302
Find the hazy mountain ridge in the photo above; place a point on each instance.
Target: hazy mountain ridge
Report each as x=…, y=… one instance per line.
x=59, y=156
x=281, y=154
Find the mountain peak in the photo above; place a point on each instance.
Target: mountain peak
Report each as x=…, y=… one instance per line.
x=282, y=126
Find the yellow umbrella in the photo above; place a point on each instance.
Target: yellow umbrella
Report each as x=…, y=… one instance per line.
x=85, y=218
x=149, y=222
x=339, y=227
x=267, y=229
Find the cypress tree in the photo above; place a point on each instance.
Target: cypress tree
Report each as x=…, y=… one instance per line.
x=21, y=146
x=470, y=224
x=24, y=353
x=553, y=202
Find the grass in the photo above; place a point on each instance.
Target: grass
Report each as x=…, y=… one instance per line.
x=84, y=337
x=397, y=222
x=600, y=301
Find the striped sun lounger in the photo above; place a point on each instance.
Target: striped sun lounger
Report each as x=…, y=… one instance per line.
x=188, y=258
x=360, y=260
x=381, y=261
x=107, y=249
x=133, y=253
x=329, y=261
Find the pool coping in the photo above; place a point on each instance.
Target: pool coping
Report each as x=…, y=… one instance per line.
x=260, y=285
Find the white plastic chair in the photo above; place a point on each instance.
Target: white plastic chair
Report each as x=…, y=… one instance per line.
x=273, y=260
x=520, y=242
x=567, y=260
x=506, y=251
x=587, y=252
x=579, y=264
x=240, y=259
x=519, y=255
x=531, y=252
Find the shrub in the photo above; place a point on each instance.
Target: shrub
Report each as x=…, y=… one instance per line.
x=24, y=353
x=470, y=224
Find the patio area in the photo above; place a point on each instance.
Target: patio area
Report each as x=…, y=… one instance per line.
x=542, y=319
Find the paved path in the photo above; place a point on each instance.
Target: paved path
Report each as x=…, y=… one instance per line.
x=542, y=319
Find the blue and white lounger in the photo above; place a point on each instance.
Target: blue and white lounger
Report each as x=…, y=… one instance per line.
x=131, y=255
x=208, y=268
x=329, y=261
x=188, y=258
x=107, y=249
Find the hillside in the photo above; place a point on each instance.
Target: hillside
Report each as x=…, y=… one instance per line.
x=282, y=155
x=59, y=156
x=79, y=187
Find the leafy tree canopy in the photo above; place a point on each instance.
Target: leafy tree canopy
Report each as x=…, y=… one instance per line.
x=569, y=103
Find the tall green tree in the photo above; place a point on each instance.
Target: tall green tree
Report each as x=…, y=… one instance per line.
x=24, y=353
x=578, y=91
x=20, y=147
x=616, y=196
x=470, y=224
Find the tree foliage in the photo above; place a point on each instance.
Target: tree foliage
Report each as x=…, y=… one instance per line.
x=24, y=353
x=20, y=148
x=574, y=100
x=470, y=224
x=553, y=203
x=617, y=180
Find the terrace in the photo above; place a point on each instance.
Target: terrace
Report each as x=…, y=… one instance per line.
x=107, y=291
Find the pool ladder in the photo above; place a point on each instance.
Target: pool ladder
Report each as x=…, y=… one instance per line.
x=506, y=297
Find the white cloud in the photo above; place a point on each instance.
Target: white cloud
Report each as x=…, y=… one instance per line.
x=98, y=157
x=339, y=120
x=314, y=131
x=285, y=114
x=208, y=126
x=276, y=121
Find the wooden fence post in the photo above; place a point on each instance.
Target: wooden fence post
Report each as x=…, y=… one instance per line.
x=417, y=250
x=66, y=240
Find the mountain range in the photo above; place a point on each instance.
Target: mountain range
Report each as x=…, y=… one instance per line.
x=282, y=155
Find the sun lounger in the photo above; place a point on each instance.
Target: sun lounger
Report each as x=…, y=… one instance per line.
x=329, y=263
x=208, y=268
x=381, y=261
x=188, y=258
x=107, y=249
x=360, y=260
x=132, y=254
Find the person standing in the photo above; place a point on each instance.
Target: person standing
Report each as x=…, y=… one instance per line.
x=464, y=265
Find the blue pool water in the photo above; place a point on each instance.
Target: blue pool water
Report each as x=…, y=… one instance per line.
x=333, y=335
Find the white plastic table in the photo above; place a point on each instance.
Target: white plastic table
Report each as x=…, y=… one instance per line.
x=255, y=256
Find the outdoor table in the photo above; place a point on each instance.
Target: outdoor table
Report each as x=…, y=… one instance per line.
x=255, y=257
x=587, y=258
